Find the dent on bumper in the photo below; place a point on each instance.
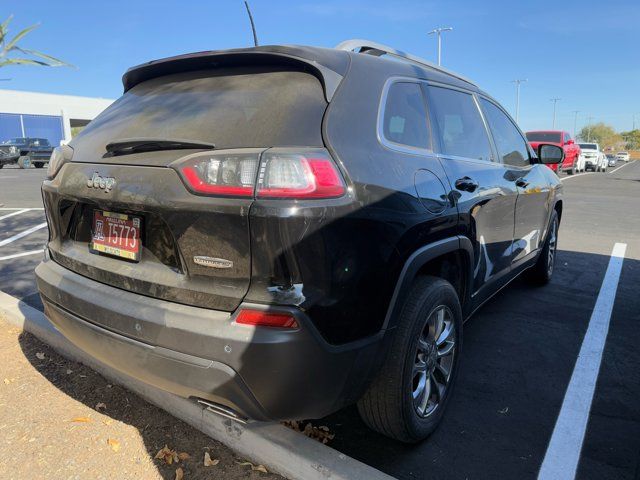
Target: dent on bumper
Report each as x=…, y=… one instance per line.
x=262, y=373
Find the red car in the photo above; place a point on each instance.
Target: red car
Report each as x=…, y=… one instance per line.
x=562, y=139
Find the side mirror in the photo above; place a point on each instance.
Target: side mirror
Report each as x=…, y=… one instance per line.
x=550, y=154
x=571, y=141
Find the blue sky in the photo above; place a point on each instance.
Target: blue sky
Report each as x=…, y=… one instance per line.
x=587, y=52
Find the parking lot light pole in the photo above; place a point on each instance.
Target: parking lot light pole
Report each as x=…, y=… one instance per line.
x=518, y=81
x=575, y=121
x=439, y=31
x=554, y=100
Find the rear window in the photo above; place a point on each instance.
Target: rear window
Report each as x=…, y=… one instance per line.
x=544, y=137
x=230, y=108
x=589, y=146
x=462, y=132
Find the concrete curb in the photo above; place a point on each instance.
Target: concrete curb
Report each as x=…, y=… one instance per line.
x=280, y=449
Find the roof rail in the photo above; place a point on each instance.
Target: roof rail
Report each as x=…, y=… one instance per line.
x=377, y=49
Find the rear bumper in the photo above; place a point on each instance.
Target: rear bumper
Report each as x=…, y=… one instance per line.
x=261, y=373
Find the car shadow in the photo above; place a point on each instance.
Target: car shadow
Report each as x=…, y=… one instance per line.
x=518, y=356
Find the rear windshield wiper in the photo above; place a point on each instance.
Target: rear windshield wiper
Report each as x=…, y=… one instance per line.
x=126, y=146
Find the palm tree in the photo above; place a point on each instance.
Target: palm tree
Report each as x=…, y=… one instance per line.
x=8, y=47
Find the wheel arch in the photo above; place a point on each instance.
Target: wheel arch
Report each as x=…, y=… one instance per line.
x=435, y=259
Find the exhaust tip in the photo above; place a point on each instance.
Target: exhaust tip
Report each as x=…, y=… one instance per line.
x=222, y=410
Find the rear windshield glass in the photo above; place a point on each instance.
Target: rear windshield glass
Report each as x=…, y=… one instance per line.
x=544, y=137
x=231, y=109
x=589, y=146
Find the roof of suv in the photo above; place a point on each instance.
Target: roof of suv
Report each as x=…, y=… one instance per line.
x=325, y=62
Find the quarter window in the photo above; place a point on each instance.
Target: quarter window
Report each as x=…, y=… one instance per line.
x=462, y=131
x=510, y=144
x=405, y=116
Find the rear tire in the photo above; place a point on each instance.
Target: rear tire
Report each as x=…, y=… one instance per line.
x=38, y=164
x=572, y=170
x=24, y=161
x=408, y=397
x=542, y=271
x=1, y=165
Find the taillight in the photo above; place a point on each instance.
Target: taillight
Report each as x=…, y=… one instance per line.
x=220, y=174
x=266, y=319
x=285, y=174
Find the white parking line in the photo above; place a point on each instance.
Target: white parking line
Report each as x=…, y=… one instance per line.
x=18, y=212
x=22, y=234
x=563, y=453
x=574, y=176
x=23, y=254
x=621, y=166
x=9, y=209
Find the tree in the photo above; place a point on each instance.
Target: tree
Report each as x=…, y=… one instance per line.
x=11, y=47
x=632, y=138
x=600, y=133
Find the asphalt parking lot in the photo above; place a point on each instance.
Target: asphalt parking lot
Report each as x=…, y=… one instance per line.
x=519, y=353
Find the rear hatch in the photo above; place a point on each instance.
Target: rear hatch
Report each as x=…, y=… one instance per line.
x=195, y=245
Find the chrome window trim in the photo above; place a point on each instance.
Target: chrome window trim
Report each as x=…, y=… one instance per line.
x=384, y=141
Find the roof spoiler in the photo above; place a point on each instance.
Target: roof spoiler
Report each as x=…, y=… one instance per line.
x=262, y=56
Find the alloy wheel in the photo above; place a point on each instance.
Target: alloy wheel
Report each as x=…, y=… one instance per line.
x=434, y=361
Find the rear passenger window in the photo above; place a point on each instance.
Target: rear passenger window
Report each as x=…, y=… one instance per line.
x=462, y=131
x=405, y=116
x=510, y=144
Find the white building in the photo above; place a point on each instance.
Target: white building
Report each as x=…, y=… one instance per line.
x=45, y=115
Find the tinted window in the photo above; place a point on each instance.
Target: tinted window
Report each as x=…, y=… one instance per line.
x=511, y=146
x=589, y=146
x=405, y=116
x=232, y=108
x=554, y=137
x=462, y=132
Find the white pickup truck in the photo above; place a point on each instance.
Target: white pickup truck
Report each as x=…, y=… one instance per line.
x=593, y=158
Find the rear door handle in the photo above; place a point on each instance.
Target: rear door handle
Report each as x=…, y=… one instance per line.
x=466, y=184
x=522, y=183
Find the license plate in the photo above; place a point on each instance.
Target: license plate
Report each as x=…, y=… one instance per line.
x=116, y=234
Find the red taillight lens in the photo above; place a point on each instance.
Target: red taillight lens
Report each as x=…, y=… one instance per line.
x=298, y=175
x=284, y=173
x=220, y=174
x=266, y=319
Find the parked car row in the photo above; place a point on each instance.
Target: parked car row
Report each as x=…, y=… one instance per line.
x=25, y=151
x=578, y=157
x=572, y=162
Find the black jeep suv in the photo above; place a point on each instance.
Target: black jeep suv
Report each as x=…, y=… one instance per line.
x=280, y=231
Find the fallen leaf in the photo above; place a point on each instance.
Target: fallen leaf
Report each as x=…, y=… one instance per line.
x=504, y=410
x=208, y=462
x=108, y=421
x=179, y=474
x=114, y=444
x=101, y=405
x=321, y=434
x=258, y=468
x=184, y=456
x=109, y=385
x=7, y=381
x=69, y=372
x=40, y=355
x=81, y=420
x=169, y=456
